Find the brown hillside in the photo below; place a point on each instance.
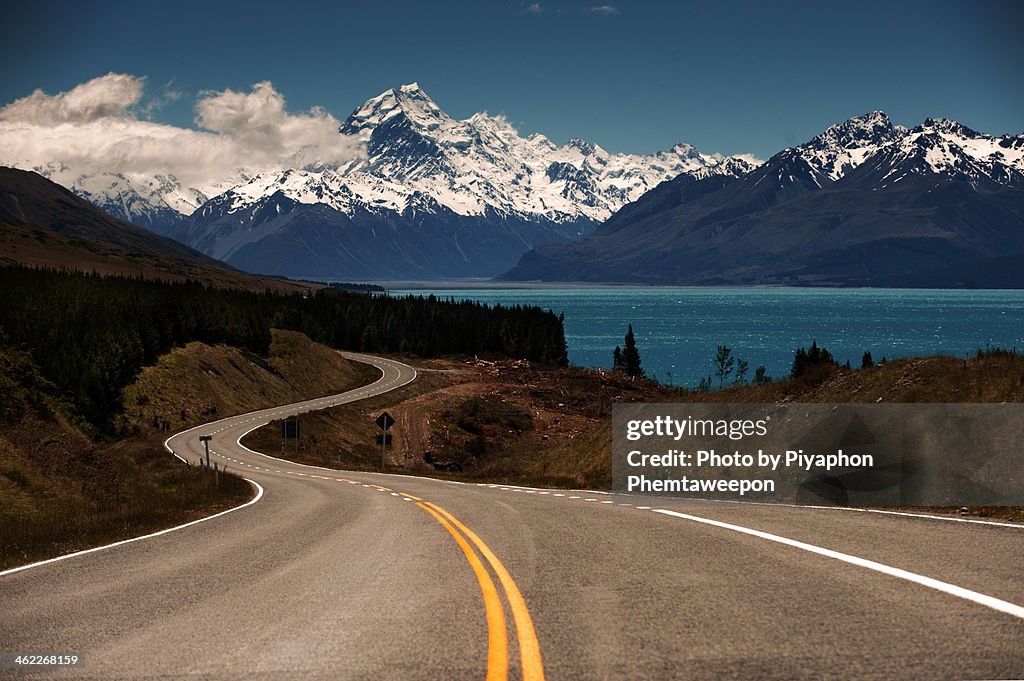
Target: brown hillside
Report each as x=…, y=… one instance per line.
x=44, y=224
x=199, y=382
x=515, y=423
x=60, y=491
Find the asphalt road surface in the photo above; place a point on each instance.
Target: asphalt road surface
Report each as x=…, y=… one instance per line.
x=340, y=575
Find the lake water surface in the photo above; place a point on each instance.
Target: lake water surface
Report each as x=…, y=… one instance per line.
x=677, y=329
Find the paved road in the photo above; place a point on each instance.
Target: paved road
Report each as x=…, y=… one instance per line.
x=335, y=575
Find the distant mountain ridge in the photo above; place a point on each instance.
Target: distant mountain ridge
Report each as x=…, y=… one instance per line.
x=866, y=202
x=433, y=197
x=155, y=202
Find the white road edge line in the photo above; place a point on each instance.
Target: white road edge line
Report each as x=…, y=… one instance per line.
x=857, y=509
x=944, y=587
x=259, y=495
x=167, y=446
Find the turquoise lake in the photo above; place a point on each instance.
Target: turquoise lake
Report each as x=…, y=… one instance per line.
x=677, y=329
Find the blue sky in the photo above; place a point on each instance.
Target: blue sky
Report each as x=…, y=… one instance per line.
x=727, y=76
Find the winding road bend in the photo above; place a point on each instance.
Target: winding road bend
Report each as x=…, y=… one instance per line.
x=339, y=575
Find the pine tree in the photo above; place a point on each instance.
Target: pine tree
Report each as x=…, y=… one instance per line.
x=742, y=366
x=724, y=363
x=631, y=356
x=805, y=359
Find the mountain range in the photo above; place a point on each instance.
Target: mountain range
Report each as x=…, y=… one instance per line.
x=866, y=202
x=431, y=197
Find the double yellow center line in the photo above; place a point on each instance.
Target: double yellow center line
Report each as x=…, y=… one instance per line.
x=497, y=636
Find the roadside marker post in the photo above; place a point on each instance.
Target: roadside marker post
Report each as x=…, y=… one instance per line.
x=289, y=429
x=384, y=421
x=205, y=439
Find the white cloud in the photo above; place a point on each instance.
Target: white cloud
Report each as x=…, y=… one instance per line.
x=535, y=8
x=603, y=10
x=257, y=120
x=99, y=127
x=103, y=97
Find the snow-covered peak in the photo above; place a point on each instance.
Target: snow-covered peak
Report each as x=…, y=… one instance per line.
x=844, y=146
x=947, y=147
x=420, y=158
x=946, y=126
x=483, y=164
x=301, y=186
x=409, y=101
x=873, y=128
x=684, y=150
x=583, y=146
x=730, y=165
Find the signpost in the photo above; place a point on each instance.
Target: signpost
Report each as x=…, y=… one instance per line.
x=205, y=439
x=384, y=421
x=289, y=429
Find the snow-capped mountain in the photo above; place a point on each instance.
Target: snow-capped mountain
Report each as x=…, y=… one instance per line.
x=155, y=202
x=937, y=146
x=844, y=146
x=947, y=148
x=437, y=197
x=481, y=162
x=485, y=192
x=866, y=202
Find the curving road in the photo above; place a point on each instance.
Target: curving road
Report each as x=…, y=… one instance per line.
x=334, y=575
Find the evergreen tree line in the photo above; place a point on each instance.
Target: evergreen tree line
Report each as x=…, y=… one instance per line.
x=90, y=335
x=815, y=360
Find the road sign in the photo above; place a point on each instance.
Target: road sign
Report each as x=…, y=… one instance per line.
x=385, y=421
x=290, y=429
x=205, y=439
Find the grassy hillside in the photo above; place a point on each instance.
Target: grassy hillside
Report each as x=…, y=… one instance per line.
x=61, y=491
x=200, y=382
x=994, y=376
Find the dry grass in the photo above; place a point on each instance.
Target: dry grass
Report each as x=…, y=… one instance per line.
x=992, y=377
x=200, y=383
x=511, y=423
x=60, y=491
x=345, y=436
